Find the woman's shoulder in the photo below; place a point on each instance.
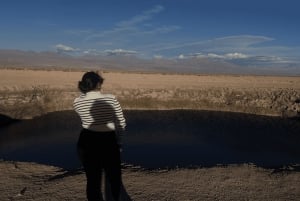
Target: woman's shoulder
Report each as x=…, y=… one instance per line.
x=79, y=98
x=94, y=96
x=108, y=96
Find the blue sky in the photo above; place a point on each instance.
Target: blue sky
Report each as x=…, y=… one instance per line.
x=245, y=31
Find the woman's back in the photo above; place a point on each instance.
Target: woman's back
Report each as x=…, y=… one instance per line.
x=99, y=112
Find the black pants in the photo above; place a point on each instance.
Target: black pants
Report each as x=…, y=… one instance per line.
x=99, y=151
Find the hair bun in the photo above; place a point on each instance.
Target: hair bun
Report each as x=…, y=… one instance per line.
x=89, y=82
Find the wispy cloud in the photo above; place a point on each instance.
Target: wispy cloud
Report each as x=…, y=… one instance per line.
x=241, y=40
x=64, y=48
x=240, y=58
x=146, y=15
x=92, y=52
x=222, y=44
x=79, y=32
x=120, y=52
x=161, y=30
x=228, y=56
x=239, y=49
x=137, y=25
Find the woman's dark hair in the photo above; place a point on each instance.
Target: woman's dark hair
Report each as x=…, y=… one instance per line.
x=90, y=81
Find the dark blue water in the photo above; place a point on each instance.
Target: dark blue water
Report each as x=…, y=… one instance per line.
x=160, y=139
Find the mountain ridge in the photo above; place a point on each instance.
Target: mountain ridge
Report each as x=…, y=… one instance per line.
x=48, y=59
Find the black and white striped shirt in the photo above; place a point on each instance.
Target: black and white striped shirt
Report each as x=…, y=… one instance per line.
x=99, y=112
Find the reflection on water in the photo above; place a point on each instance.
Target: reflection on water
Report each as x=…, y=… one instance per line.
x=157, y=139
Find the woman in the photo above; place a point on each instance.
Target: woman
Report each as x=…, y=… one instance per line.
x=102, y=117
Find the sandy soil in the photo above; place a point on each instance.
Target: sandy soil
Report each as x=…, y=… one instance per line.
x=27, y=78
x=29, y=181
x=22, y=91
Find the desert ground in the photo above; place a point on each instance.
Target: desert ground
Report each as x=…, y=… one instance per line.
x=25, y=94
x=29, y=181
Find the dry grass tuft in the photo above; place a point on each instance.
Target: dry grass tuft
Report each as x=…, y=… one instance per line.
x=34, y=101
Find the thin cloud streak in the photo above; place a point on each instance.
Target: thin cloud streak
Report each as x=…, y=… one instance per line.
x=134, y=26
x=147, y=15
x=161, y=30
x=78, y=32
x=218, y=43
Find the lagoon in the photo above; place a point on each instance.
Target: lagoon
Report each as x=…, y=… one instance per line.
x=161, y=139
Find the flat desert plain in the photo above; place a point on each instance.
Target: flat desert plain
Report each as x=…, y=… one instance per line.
x=28, y=93
x=45, y=91
x=131, y=80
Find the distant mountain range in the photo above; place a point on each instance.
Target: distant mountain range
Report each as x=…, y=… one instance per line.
x=18, y=58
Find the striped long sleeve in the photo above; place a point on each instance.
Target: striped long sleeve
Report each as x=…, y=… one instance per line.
x=100, y=112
